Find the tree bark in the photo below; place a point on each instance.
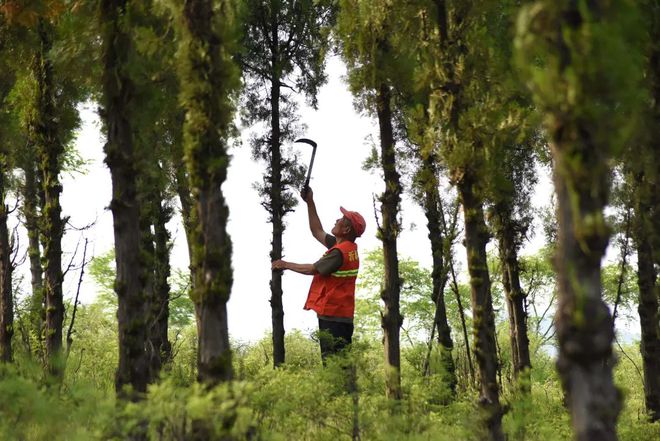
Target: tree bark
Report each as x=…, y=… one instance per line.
x=118, y=89
x=647, y=236
x=6, y=269
x=476, y=238
x=649, y=293
x=391, y=319
x=515, y=296
x=583, y=321
x=206, y=86
x=276, y=208
x=440, y=270
x=49, y=151
x=30, y=212
x=161, y=289
x=147, y=259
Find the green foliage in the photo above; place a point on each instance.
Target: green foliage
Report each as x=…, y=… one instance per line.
x=589, y=71
x=102, y=270
x=283, y=55
x=416, y=304
x=301, y=400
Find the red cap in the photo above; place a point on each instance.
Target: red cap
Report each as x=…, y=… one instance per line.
x=356, y=220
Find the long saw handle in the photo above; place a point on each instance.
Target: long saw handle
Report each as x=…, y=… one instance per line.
x=311, y=164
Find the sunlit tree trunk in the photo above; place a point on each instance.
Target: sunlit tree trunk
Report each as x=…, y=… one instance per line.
x=31, y=215
x=206, y=82
x=49, y=152
x=485, y=349
x=118, y=90
x=391, y=319
x=440, y=269
x=515, y=296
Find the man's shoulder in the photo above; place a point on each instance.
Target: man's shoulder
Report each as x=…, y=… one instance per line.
x=330, y=241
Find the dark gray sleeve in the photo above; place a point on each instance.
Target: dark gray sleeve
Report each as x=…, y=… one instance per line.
x=329, y=263
x=330, y=241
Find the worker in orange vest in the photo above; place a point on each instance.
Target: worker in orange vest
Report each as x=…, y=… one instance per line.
x=332, y=292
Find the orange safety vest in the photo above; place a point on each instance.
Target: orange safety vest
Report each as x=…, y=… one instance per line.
x=334, y=295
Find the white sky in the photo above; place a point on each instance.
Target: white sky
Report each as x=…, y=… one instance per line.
x=337, y=179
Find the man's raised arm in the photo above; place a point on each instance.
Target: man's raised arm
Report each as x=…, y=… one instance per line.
x=314, y=222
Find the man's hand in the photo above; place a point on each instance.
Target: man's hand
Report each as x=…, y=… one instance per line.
x=307, y=195
x=279, y=265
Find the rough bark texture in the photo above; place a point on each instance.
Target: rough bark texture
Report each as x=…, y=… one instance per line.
x=6, y=295
x=647, y=236
x=476, y=238
x=515, y=296
x=147, y=259
x=205, y=96
x=49, y=151
x=649, y=293
x=30, y=204
x=391, y=319
x=121, y=159
x=158, y=339
x=277, y=212
x=583, y=322
x=440, y=270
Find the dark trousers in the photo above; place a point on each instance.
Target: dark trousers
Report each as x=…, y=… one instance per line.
x=334, y=337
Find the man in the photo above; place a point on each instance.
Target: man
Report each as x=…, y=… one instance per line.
x=332, y=292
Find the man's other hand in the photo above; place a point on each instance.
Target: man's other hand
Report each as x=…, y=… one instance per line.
x=278, y=265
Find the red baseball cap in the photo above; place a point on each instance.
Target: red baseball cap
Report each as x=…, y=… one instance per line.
x=356, y=220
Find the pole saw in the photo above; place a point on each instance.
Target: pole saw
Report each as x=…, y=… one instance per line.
x=305, y=187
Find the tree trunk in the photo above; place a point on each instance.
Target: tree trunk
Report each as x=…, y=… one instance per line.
x=121, y=160
x=158, y=329
x=649, y=292
x=276, y=203
x=440, y=270
x=647, y=238
x=30, y=207
x=6, y=295
x=476, y=238
x=49, y=151
x=147, y=259
x=391, y=318
x=515, y=296
x=583, y=321
x=206, y=86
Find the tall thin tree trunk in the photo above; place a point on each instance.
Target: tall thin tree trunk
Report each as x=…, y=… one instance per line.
x=206, y=85
x=158, y=329
x=583, y=321
x=121, y=159
x=147, y=259
x=649, y=293
x=276, y=209
x=49, y=151
x=440, y=270
x=515, y=296
x=6, y=295
x=476, y=238
x=647, y=234
x=461, y=313
x=30, y=212
x=391, y=318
